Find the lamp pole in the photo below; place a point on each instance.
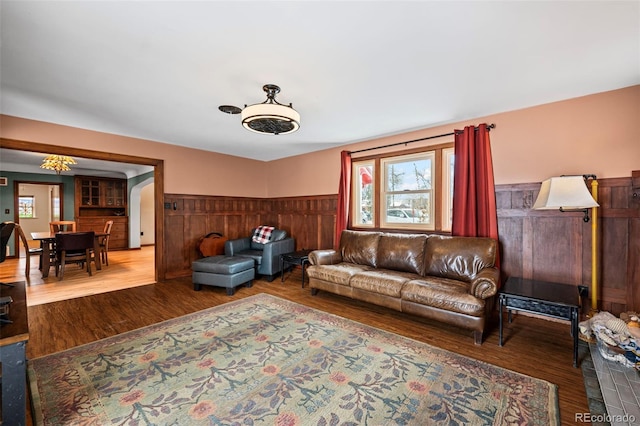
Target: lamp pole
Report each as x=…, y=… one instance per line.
x=594, y=249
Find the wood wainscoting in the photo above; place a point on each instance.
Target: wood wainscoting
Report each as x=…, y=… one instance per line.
x=541, y=245
x=310, y=220
x=554, y=246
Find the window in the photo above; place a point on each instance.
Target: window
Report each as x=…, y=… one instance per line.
x=26, y=207
x=447, y=176
x=362, y=177
x=411, y=190
x=407, y=191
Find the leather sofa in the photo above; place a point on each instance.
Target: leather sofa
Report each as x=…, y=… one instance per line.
x=448, y=279
x=265, y=255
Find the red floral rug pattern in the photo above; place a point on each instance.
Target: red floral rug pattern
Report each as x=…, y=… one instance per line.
x=264, y=360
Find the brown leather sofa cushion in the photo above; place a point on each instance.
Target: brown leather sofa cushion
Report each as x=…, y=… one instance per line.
x=443, y=293
x=382, y=281
x=359, y=247
x=402, y=252
x=337, y=274
x=458, y=258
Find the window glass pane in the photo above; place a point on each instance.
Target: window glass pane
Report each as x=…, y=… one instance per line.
x=26, y=206
x=363, y=208
x=408, y=199
x=408, y=208
x=447, y=204
x=412, y=175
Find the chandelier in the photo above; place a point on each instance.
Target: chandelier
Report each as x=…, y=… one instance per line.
x=269, y=117
x=57, y=163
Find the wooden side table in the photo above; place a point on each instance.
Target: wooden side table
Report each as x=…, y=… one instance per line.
x=300, y=257
x=545, y=298
x=13, y=342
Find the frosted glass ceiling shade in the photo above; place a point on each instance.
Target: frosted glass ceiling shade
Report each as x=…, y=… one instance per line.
x=565, y=192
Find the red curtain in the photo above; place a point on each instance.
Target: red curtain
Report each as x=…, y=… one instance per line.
x=474, y=196
x=344, y=195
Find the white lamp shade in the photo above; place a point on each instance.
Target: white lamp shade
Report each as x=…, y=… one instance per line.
x=278, y=115
x=565, y=192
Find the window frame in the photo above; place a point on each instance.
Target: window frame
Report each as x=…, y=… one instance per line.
x=441, y=189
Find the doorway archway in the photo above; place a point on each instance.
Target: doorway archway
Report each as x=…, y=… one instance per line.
x=135, y=213
x=158, y=178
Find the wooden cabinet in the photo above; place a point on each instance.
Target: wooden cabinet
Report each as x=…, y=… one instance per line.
x=98, y=200
x=90, y=192
x=119, y=238
x=101, y=193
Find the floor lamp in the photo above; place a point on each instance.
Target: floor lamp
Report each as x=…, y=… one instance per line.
x=570, y=193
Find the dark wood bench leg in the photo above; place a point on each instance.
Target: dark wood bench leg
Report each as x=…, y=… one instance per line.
x=314, y=291
x=477, y=335
x=231, y=291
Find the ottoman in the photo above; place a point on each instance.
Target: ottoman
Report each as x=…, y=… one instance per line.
x=222, y=271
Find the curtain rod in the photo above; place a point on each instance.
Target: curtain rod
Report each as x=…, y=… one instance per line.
x=489, y=127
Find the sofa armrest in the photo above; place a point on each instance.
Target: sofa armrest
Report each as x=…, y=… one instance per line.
x=271, y=255
x=233, y=247
x=485, y=284
x=324, y=257
x=276, y=248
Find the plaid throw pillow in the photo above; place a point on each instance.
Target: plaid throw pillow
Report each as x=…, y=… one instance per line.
x=262, y=234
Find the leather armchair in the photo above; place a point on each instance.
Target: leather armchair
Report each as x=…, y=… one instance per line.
x=266, y=256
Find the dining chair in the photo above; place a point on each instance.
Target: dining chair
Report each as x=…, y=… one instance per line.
x=28, y=251
x=104, y=243
x=62, y=226
x=73, y=247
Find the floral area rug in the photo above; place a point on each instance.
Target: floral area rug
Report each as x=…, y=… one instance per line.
x=263, y=360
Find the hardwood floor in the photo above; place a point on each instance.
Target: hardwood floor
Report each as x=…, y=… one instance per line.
x=533, y=346
x=127, y=268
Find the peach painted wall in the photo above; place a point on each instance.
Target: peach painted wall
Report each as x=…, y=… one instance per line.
x=592, y=134
x=187, y=171
x=597, y=134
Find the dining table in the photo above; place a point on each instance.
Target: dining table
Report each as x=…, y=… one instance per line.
x=47, y=243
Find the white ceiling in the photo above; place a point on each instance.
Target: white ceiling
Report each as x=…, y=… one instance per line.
x=354, y=70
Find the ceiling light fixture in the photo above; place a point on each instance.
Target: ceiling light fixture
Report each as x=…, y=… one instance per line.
x=57, y=163
x=269, y=117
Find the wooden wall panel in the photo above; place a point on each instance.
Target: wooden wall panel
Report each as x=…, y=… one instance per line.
x=196, y=226
x=546, y=245
x=557, y=249
x=304, y=218
x=511, y=246
x=555, y=246
x=633, y=270
x=614, y=252
x=176, y=250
